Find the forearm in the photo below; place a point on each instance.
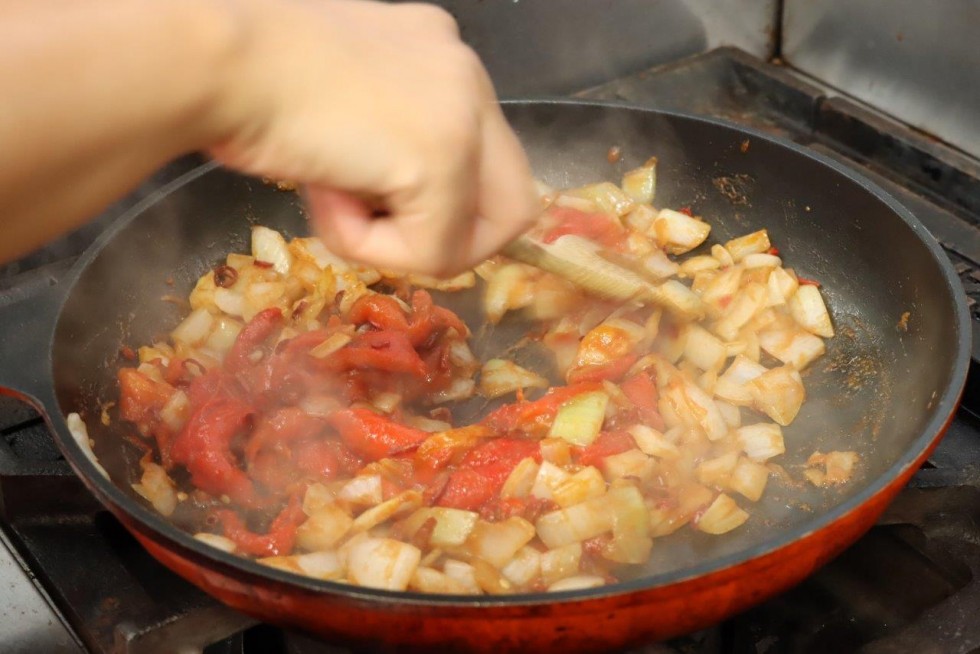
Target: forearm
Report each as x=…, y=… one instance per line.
x=96, y=95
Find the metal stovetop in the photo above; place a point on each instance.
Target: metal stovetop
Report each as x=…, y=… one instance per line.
x=72, y=579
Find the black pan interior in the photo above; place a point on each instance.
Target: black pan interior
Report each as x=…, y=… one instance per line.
x=875, y=391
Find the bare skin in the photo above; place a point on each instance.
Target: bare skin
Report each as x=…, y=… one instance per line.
x=352, y=99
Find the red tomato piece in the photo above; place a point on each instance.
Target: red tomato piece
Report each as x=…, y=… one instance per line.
x=607, y=444
x=140, y=397
x=641, y=390
x=204, y=448
x=381, y=311
x=612, y=370
x=468, y=490
x=252, y=336
x=319, y=458
x=283, y=427
x=277, y=541
x=597, y=227
x=383, y=350
x=538, y=413
x=428, y=321
x=374, y=436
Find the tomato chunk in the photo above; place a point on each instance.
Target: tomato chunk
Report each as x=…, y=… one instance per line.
x=278, y=540
x=374, y=436
x=641, y=390
x=597, y=227
x=607, y=444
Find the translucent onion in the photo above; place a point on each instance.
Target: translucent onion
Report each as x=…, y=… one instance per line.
x=382, y=563
x=722, y=516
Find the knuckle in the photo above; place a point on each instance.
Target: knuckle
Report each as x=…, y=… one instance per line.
x=435, y=18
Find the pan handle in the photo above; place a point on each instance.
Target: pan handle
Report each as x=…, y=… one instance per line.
x=26, y=332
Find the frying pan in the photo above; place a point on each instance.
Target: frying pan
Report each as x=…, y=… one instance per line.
x=887, y=387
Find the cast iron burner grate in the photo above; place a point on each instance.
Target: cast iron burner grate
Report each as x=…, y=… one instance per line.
x=72, y=579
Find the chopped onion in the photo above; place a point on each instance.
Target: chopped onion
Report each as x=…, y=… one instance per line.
x=509, y=288
x=631, y=542
x=79, y=432
x=497, y=542
x=524, y=567
x=749, y=301
x=325, y=527
x=176, y=411
x=754, y=243
x=781, y=286
x=718, y=471
x=761, y=261
x=701, y=263
x=194, y=328
x=577, y=582
x=659, y=265
x=778, y=393
x=838, y=467
x=580, y=419
x=556, y=451
x=224, y=332
x=429, y=580
x=608, y=197
x=319, y=565
x=722, y=516
x=382, y=563
x=216, y=541
x=651, y=442
x=575, y=523
x=703, y=348
x=269, y=245
x=500, y=377
x=761, y=441
x=732, y=385
x=229, y=301
x=631, y=463
x=561, y=562
x=808, y=309
x=363, y=489
x=330, y=345
x=377, y=514
x=157, y=488
x=548, y=478
x=640, y=217
x=749, y=478
x=641, y=183
x=794, y=347
x=521, y=479
x=585, y=484
x=459, y=389
x=677, y=232
x=317, y=497
x=452, y=526
x=462, y=572
x=723, y=256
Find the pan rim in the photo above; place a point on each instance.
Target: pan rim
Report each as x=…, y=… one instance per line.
x=159, y=528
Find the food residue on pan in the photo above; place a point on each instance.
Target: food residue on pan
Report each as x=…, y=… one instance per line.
x=744, y=146
x=734, y=187
x=614, y=154
x=903, y=322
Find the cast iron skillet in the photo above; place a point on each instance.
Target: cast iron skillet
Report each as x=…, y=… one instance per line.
x=883, y=391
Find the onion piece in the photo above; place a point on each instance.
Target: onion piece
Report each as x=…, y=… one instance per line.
x=325, y=527
x=319, y=565
x=509, y=288
x=382, y=563
x=79, y=432
x=653, y=443
x=363, y=489
x=641, y=183
x=808, y=309
x=677, y=232
x=577, y=582
x=497, y=542
x=781, y=286
x=609, y=198
x=330, y=345
x=521, y=479
x=792, y=346
x=718, y=471
x=176, y=411
x=722, y=516
x=631, y=542
x=500, y=377
x=586, y=484
x=156, y=487
x=548, y=478
x=631, y=463
x=778, y=393
x=580, y=419
x=640, y=217
x=270, y=246
x=430, y=580
x=761, y=441
x=194, y=329
x=749, y=479
x=462, y=572
x=524, y=568
x=732, y=385
x=754, y=243
x=561, y=562
x=217, y=542
x=703, y=348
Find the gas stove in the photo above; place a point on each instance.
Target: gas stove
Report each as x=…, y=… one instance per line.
x=73, y=580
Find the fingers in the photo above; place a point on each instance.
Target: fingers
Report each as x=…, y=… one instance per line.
x=507, y=201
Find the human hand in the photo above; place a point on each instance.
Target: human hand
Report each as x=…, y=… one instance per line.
x=361, y=100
